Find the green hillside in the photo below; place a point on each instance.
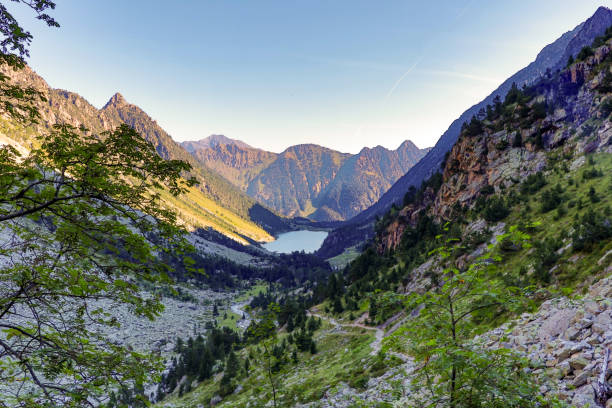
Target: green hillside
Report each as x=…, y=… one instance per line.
x=529, y=186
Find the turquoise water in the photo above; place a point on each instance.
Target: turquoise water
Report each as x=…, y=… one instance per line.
x=307, y=241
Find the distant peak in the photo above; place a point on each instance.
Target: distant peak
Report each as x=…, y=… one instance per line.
x=116, y=100
x=213, y=141
x=601, y=14
x=408, y=144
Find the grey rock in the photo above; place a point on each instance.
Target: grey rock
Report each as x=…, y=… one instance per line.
x=578, y=363
x=581, y=378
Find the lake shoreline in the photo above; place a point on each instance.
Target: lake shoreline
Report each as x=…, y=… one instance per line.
x=307, y=240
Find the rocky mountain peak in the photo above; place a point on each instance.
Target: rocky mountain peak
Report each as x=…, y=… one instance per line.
x=585, y=33
x=211, y=142
x=409, y=145
x=601, y=11
x=116, y=100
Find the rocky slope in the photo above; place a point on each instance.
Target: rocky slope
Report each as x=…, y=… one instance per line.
x=308, y=180
x=364, y=178
x=492, y=160
x=239, y=164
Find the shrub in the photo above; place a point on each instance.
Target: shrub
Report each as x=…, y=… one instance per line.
x=539, y=110
x=593, y=195
x=606, y=84
x=495, y=209
x=591, y=173
x=502, y=145
x=606, y=106
x=533, y=183
x=551, y=199
x=474, y=128
x=487, y=190
x=589, y=230
x=584, y=53
x=561, y=212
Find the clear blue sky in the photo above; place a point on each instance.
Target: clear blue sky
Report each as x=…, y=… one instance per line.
x=343, y=74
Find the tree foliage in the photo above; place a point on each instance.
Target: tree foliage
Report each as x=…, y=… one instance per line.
x=455, y=369
x=82, y=223
x=197, y=358
x=264, y=332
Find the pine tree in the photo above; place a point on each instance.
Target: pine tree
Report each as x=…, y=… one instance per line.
x=373, y=309
x=338, y=305
x=232, y=366
x=518, y=140
x=206, y=365
x=178, y=348
x=294, y=356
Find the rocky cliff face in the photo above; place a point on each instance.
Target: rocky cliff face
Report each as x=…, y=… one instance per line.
x=238, y=164
x=296, y=178
x=365, y=177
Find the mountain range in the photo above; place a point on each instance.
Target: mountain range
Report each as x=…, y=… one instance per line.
x=307, y=180
x=213, y=203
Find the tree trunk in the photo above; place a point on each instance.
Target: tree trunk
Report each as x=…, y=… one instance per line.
x=270, y=375
x=602, y=389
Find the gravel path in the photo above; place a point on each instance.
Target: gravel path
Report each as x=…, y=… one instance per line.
x=238, y=308
x=375, y=345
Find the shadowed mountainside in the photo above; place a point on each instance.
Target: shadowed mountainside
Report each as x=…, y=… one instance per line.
x=552, y=57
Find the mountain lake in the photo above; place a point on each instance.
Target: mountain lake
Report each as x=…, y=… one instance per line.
x=304, y=240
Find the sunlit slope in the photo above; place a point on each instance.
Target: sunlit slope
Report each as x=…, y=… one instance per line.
x=196, y=210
